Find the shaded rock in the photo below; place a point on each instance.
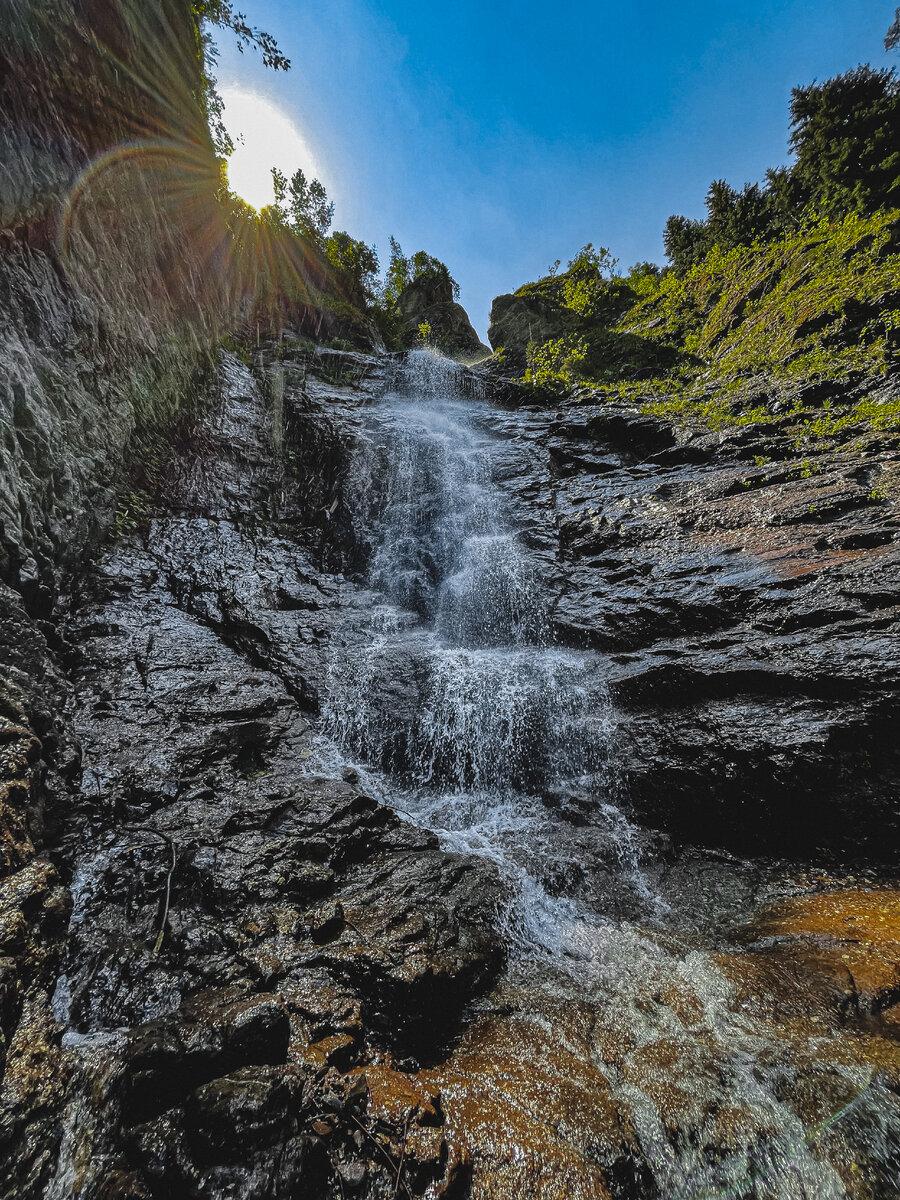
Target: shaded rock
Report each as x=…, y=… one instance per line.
x=742, y=596
x=517, y=320
x=428, y=299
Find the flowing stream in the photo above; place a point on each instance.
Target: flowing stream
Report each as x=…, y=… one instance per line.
x=448, y=693
x=452, y=687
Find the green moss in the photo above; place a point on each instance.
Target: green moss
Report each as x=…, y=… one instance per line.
x=743, y=333
x=239, y=349
x=819, y=305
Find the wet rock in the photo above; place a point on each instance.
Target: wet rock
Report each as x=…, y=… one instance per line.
x=211, y=1035
x=241, y=929
x=518, y=320
x=743, y=598
x=849, y=940
x=327, y=923
x=531, y=1114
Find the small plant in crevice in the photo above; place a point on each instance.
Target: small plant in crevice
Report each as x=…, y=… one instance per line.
x=131, y=512
x=239, y=349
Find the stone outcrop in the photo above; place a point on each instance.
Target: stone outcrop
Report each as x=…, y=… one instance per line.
x=744, y=592
x=239, y=934
x=517, y=320
x=232, y=972
x=428, y=300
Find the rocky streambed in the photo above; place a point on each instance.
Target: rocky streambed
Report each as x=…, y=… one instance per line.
x=439, y=797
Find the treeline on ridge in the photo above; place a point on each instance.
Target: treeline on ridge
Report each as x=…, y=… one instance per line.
x=784, y=284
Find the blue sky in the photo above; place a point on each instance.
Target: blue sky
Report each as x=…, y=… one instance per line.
x=500, y=136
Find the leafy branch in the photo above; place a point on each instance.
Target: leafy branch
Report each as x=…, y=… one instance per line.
x=222, y=13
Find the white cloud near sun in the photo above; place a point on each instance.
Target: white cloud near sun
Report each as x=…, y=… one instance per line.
x=264, y=137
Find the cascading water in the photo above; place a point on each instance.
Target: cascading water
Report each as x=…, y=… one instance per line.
x=452, y=685
x=447, y=691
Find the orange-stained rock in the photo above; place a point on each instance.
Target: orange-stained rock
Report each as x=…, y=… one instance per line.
x=848, y=940
x=522, y=1095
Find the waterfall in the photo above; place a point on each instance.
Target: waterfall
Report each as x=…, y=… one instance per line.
x=451, y=686
x=446, y=691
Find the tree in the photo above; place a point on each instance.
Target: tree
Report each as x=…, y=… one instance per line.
x=686, y=241
x=892, y=37
x=357, y=260
x=222, y=13
x=396, y=276
x=402, y=271
x=427, y=264
x=845, y=133
x=303, y=204
x=591, y=263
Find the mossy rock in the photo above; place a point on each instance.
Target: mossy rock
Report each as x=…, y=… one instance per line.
x=428, y=300
x=519, y=319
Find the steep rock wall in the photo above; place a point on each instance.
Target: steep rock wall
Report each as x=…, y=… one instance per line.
x=109, y=314
x=109, y=298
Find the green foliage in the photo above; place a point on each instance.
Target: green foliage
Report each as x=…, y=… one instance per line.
x=400, y=272
x=643, y=278
x=357, y=261
x=588, y=287
x=812, y=305
x=593, y=299
x=424, y=332
x=397, y=274
x=238, y=349
x=743, y=328
x=131, y=512
x=845, y=134
x=302, y=205
x=222, y=13
x=556, y=364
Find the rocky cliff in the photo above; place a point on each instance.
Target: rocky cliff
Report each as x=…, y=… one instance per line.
x=428, y=300
x=233, y=972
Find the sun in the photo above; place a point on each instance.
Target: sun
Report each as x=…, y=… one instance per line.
x=264, y=137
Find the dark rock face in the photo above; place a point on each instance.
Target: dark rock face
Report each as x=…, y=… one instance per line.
x=227, y=975
x=429, y=300
x=746, y=595
x=518, y=320
x=242, y=933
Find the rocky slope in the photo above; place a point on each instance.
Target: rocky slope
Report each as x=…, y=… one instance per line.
x=238, y=930
x=746, y=592
x=228, y=974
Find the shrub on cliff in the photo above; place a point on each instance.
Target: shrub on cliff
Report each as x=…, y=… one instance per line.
x=822, y=303
x=565, y=327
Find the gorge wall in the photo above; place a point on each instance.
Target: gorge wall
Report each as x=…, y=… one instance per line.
x=111, y=313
